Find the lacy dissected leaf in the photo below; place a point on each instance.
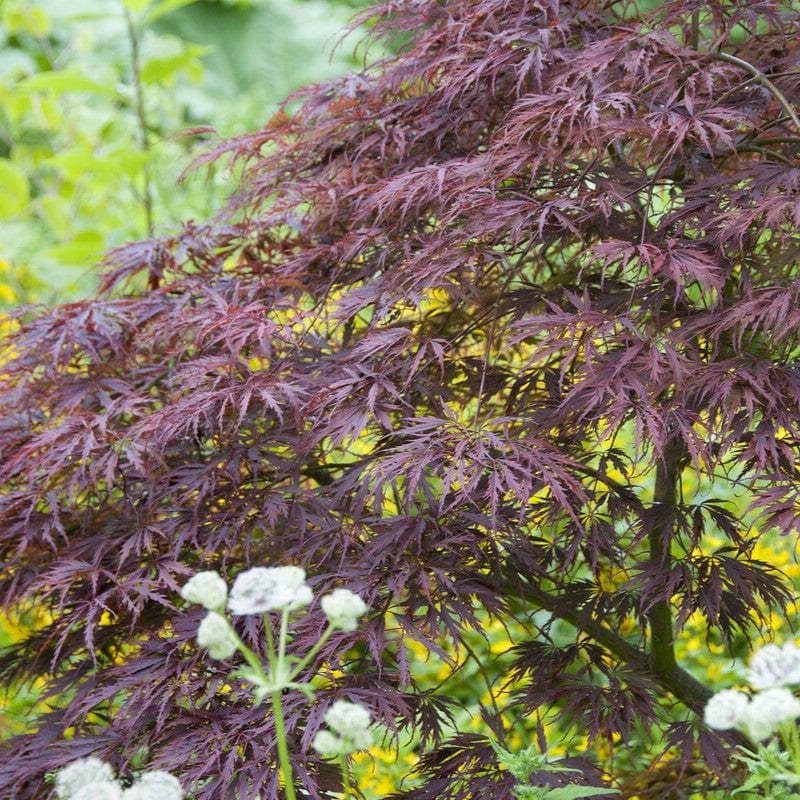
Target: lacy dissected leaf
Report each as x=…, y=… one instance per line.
x=473, y=324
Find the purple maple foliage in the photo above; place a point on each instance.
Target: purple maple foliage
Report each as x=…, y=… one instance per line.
x=468, y=323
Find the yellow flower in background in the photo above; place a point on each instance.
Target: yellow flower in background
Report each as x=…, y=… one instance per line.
x=8, y=294
x=383, y=769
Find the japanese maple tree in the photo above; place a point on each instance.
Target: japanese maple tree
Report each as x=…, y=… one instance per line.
x=470, y=323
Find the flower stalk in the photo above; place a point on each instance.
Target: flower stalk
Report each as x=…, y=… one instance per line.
x=285, y=764
x=259, y=591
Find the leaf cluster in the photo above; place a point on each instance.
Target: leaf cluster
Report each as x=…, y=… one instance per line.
x=471, y=318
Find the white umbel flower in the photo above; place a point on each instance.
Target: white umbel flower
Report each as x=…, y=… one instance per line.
x=100, y=790
x=775, y=665
x=81, y=773
x=217, y=636
x=725, y=709
x=155, y=785
x=343, y=608
x=263, y=589
x=767, y=711
x=347, y=718
x=327, y=743
x=351, y=722
x=207, y=589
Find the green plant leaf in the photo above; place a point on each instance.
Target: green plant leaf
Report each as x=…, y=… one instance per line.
x=14, y=189
x=136, y=6
x=163, y=70
x=164, y=7
x=573, y=792
x=28, y=19
x=84, y=249
x=64, y=80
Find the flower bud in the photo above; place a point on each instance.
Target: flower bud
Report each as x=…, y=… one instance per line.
x=342, y=608
x=329, y=744
x=100, y=790
x=347, y=718
x=207, y=589
x=724, y=710
x=217, y=636
x=80, y=773
x=351, y=722
x=155, y=785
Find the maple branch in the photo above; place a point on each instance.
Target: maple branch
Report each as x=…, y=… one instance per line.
x=695, y=29
x=681, y=684
x=766, y=152
x=764, y=81
x=659, y=537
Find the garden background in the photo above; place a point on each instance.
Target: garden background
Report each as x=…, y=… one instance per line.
x=104, y=104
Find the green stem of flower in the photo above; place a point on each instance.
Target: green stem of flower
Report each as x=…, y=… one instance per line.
x=312, y=652
x=282, y=636
x=283, y=750
x=271, y=659
x=249, y=656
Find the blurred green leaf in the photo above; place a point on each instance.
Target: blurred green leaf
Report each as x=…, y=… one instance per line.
x=573, y=792
x=164, y=7
x=24, y=18
x=14, y=189
x=137, y=6
x=85, y=249
x=79, y=162
x=65, y=80
x=164, y=70
x=15, y=62
x=70, y=131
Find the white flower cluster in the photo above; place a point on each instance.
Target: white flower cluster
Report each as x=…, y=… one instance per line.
x=772, y=670
x=262, y=589
x=217, y=636
x=351, y=722
x=93, y=779
x=343, y=608
x=775, y=665
x=257, y=591
x=207, y=589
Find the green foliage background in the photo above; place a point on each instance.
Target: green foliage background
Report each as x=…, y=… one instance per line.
x=74, y=159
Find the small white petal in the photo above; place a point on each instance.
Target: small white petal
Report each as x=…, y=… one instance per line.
x=101, y=790
x=724, y=710
x=767, y=711
x=360, y=740
x=155, y=785
x=351, y=722
x=343, y=608
x=216, y=635
x=347, y=719
x=302, y=597
x=262, y=589
x=775, y=665
x=84, y=771
x=137, y=792
x=207, y=589
x=328, y=744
